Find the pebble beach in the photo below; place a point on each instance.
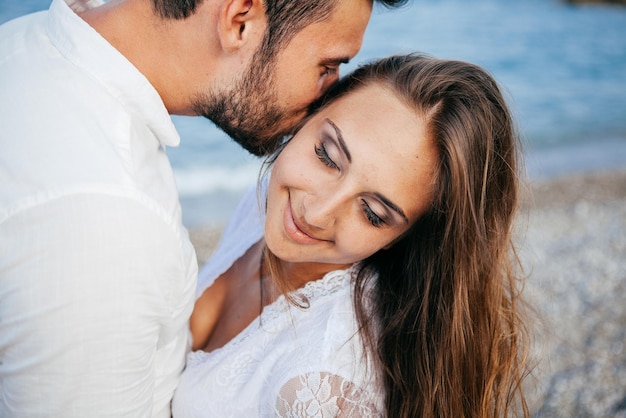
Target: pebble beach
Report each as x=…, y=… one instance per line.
x=571, y=235
x=573, y=245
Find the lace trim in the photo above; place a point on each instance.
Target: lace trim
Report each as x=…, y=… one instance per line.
x=327, y=285
x=311, y=291
x=322, y=394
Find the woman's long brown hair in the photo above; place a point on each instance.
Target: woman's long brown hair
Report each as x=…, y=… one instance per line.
x=447, y=325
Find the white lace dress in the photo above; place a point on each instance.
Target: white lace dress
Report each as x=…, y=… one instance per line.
x=289, y=362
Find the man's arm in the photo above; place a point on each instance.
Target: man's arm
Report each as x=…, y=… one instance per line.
x=89, y=287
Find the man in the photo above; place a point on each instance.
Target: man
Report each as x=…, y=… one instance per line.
x=97, y=274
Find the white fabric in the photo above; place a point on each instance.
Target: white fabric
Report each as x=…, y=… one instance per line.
x=97, y=274
x=289, y=362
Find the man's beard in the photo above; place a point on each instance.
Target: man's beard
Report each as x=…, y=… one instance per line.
x=249, y=112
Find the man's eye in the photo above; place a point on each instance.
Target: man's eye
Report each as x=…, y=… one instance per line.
x=320, y=151
x=330, y=70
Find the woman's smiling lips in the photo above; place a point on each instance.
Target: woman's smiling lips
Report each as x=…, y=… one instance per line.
x=296, y=232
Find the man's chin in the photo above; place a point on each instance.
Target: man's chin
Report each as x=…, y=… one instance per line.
x=258, y=144
x=261, y=147
x=260, y=136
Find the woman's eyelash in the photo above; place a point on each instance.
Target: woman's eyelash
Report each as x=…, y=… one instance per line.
x=320, y=151
x=374, y=219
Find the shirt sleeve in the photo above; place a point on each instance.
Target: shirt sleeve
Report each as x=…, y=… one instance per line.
x=92, y=288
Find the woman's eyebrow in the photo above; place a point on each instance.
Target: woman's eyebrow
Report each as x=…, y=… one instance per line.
x=342, y=143
x=393, y=206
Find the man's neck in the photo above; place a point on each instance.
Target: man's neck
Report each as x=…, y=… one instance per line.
x=167, y=52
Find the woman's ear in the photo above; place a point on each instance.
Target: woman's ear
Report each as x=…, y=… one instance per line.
x=241, y=23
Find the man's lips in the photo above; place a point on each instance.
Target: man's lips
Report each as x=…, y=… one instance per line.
x=294, y=230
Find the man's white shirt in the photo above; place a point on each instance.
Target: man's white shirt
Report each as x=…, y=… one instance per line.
x=97, y=273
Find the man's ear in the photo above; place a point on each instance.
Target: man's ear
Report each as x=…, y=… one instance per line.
x=241, y=22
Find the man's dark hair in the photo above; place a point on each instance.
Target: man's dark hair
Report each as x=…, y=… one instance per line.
x=285, y=17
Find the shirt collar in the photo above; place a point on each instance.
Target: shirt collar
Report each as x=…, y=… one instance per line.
x=82, y=45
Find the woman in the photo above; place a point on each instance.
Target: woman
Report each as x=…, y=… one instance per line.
x=384, y=281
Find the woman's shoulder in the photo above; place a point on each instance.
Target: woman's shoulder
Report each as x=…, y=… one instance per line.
x=328, y=363
x=328, y=308
x=326, y=333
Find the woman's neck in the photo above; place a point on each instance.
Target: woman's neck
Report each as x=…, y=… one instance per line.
x=298, y=274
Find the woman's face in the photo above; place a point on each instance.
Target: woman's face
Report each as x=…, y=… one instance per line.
x=351, y=181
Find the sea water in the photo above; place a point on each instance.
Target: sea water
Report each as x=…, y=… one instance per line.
x=562, y=68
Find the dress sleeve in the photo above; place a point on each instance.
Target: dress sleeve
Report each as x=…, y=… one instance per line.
x=322, y=394
x=325, y=370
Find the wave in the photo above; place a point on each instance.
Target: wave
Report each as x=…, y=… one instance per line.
x=201, y=181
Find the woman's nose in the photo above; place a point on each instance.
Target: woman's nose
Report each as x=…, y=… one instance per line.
x=321, y=210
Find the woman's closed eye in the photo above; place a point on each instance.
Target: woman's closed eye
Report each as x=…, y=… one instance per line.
x=371, y=216
x=322, y=154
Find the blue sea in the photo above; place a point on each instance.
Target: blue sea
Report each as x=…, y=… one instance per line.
x=563, y=69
